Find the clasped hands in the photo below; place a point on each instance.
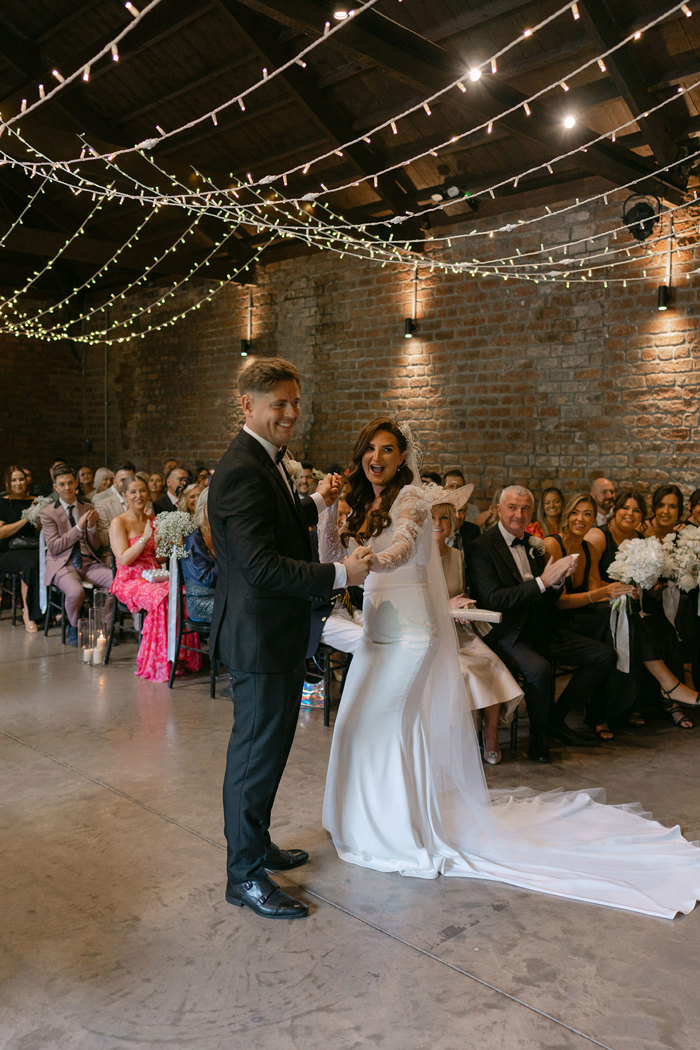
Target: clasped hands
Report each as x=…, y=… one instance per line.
x=358, y=565
x=330, y=488
x=88, y=519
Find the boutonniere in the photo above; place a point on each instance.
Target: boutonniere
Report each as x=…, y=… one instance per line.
x=294, y=468
x=535, y=546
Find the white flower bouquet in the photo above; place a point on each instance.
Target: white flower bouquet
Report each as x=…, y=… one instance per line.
x=32, y=514
x=682, y=554
x=639, y=562
x=171, y=527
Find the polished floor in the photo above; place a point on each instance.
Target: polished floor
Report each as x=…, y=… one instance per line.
x=116, y=936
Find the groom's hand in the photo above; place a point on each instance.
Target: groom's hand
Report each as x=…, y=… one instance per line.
x=357, y=566
x=330, y=488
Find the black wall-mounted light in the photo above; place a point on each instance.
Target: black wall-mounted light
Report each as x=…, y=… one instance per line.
x=246, y=347
x=247, y=344
x=410, y=327
x=664, y=297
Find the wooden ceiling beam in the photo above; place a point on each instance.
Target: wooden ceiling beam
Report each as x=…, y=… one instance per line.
x=395, y=189
x=630, y=80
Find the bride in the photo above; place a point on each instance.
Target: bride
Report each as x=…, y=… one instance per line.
x=405, y=790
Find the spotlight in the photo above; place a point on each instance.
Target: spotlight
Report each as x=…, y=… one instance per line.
x=341, y=12
x=664, y=297
x=642, y=216
x=246, y=347
x=410, y=327
x=569, y=120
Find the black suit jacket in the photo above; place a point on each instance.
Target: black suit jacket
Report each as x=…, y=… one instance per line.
x=496, y=584
x=262, y=607
x=164, y=503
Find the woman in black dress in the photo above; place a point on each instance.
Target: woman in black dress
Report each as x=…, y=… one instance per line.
x=585, y=604
x=19, y=545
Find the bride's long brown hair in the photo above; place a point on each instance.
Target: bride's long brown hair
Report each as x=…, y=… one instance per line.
x=361, y=495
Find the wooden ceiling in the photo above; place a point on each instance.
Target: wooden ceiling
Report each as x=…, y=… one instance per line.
x=186, y=57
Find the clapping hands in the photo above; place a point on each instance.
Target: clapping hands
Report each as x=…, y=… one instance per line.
x=555, y=572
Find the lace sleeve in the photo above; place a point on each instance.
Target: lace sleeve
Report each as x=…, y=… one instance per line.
x=329, y=547
x=408, y=515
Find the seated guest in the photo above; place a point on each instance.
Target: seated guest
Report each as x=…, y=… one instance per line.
x=168, y=466
x=175, y=481
x=110, y=503
x=549, y=511
x=202, y=476
x=305, y=482
x=516, y=579
x=28, y=475
x=156, y=486
x=628, y=514
x=487, y=680
x=188, y=498
x=86, y=485
x=342, y=627
x=19, y=544
x=430, y=477
x=603, y=492
x=666, y=511
x=132, y=541
x=199, y=568
x=667, y=650
x=454, y=479
x=104, y=479
x=48, y=488
x=585, y=605
x=72, y=546
x=694, y=509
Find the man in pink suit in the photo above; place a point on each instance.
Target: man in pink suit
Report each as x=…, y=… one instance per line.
x=72, y=546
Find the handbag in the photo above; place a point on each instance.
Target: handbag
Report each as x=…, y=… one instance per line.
x=24, y=543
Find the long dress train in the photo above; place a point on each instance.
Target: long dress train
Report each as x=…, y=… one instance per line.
x=405, y=789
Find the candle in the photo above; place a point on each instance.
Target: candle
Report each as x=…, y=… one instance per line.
x=98, y=653
x=87, y=656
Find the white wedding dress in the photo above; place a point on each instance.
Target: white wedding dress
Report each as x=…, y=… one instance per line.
x=405, y=790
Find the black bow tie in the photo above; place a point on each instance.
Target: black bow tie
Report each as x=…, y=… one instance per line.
x=280, y=455
x=522, y=542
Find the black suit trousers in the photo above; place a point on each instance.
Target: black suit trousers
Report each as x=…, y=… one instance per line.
x=265, y=709
x=531, y=657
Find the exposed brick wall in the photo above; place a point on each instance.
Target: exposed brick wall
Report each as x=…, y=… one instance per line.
x=518, y=382
x=41, y=402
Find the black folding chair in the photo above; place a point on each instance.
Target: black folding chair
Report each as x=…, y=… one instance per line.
x=184, y=624
x=13, y=590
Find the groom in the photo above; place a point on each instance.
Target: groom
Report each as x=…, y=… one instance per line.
x=260, y=626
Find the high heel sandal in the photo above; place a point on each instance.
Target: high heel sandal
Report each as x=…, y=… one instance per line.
x=29, y=625
x=666, y=693
x=679, y=718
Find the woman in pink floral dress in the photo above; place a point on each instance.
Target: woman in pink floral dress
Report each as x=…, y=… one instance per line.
x=131, y=539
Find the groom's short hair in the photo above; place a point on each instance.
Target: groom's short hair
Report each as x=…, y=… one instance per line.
x=263, y=376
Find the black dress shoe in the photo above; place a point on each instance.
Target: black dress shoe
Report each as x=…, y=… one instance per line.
x=277, y=859
x=569, y=736
x=264, y=897
x=538, y=753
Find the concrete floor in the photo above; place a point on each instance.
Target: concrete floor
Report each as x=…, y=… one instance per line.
x=115, y=932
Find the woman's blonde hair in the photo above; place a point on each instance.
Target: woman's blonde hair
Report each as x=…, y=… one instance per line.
x=571, y=505
x=450, y=512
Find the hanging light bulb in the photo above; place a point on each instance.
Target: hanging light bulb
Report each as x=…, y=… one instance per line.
x=474, y=74
x=569, y=120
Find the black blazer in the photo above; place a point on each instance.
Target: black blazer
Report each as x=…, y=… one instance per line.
x=496, y=584
x=262, y=606
x=164, y=503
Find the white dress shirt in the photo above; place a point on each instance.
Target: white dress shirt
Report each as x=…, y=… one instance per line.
x=519, y=553
x=341, y=574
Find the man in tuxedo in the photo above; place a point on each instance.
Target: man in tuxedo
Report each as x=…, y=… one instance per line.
x=508, y=572
x=175, y=481
x=260, y=625
x=72, y=546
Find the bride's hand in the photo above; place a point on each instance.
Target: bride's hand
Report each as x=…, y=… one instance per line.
x=330, y=488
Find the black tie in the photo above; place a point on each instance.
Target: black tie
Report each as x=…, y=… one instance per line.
x=76, y=558
x=521, y=542
x=281, y=454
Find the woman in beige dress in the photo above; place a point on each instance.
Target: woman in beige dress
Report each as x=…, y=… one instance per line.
x=488, y=682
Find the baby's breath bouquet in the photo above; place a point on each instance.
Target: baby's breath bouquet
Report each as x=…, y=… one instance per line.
x=171, y=527
x=32, y=514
